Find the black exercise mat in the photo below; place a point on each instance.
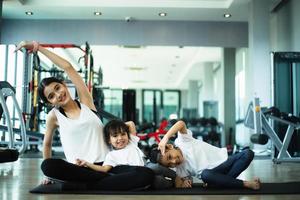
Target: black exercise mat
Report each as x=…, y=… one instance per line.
x=266, y=188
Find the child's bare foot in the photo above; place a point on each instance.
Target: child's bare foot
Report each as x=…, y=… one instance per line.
x=255, y=184
x=256, y=179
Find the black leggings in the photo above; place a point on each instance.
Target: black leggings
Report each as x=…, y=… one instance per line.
x=119, y=178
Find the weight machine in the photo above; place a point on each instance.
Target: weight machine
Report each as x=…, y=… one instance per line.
x=259, y=120
x=11, y=153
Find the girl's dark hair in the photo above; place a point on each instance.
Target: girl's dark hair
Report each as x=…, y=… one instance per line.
x=113, y=127
x=154, y=154
x=45, y=82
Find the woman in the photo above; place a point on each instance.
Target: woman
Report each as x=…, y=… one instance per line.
x=81, y=133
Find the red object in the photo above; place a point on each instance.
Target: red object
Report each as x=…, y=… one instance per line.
x=64, y=46
x=31, y=86
x=160, y=131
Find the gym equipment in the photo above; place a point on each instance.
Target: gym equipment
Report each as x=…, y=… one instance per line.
x=209, y=129
x=129, y=105
x=11, y=154
x=285, y=68
x=257, y=120
x=157, y=134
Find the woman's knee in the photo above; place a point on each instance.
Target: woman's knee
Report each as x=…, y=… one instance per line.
x=146, y=173
x=51, y=164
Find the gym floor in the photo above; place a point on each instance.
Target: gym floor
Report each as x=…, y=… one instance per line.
x=17, y=178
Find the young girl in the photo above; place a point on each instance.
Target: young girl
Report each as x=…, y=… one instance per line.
x=124, y=142
x=196, y=158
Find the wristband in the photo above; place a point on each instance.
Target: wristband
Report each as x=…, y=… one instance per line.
x=35, y=46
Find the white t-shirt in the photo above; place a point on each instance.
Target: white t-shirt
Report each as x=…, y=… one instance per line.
x=198, y=155
x=130, y=155
x=82, y=137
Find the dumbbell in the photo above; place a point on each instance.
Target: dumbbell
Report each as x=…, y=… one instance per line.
x=259, y=139
x=203, y=121
x=212, y=121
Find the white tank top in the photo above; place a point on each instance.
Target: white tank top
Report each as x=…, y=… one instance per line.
x=83, y=137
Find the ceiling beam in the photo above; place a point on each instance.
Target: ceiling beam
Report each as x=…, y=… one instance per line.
x=278, y=5
x=22, y=2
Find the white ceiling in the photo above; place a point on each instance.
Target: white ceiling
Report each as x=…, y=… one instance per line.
x=191, y=10
x=145, y=67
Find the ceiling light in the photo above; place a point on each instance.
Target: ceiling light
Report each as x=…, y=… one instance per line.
x=162, y=14
x=132, y=46
x=227, y=15
x=139, y=81
x=135, y=68
x=97, y=13
x=29, y=13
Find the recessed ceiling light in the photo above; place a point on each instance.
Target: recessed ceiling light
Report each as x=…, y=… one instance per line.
x=227, y=15
x=139, y=81
x=135, y=68
x=29, y=13
x=97, y=13
x=162, y=14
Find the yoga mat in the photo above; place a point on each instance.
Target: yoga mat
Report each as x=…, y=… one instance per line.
x=75, y=188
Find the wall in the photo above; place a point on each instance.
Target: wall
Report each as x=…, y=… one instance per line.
x=1, y=2
x=220, y=34
x=295, y=25
x=280, y=29
x=285, y=27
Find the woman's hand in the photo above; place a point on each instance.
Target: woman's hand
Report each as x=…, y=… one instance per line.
x=46, y=181
x=30, y=46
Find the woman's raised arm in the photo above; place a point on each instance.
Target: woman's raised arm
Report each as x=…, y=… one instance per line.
x=83, y=93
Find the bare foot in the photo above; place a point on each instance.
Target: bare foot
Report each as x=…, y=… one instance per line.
x=257, y=179
x=255, y=184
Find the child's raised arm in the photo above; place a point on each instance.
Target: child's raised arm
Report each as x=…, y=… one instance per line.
x=131, y=126
x=178, y=126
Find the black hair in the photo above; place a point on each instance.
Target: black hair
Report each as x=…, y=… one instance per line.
x=155, y=154
x=45, y=82
x=114, y=126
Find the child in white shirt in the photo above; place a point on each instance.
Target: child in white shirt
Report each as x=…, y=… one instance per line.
x=196, y=158
x=124, y=142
